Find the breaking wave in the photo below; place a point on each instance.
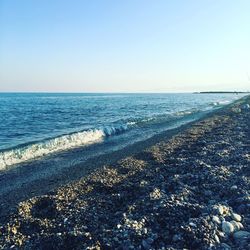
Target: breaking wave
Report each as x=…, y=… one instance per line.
x=219, y=103
x=83, y=138
x=64, y=142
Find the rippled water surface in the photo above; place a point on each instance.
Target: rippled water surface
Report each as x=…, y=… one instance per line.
x=34, y=125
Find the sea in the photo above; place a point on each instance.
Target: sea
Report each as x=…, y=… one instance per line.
x=71, y=127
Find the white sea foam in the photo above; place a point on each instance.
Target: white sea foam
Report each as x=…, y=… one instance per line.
x=61, y=143
x=131, y=123
x=222, y=102
x=64, y=142
x=112, y=130
x=185, y=112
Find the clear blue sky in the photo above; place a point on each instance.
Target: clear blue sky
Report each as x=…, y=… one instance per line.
x=124, y=45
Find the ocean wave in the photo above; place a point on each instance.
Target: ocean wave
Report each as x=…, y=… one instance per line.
x=219, y=103
x=78, y=139
x=186, y=112
x=131, y=123
x=61, y=143
x=160, y=118
x=114, y=130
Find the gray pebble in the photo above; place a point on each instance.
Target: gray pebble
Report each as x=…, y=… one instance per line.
x=145, y=244
x=241, y=235
x=225, y=246
x=227, y=227
x=241, y=208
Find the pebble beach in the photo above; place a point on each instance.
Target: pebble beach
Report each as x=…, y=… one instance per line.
x=190, y=191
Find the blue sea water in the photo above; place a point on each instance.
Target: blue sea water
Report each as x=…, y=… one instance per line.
x=34, y=125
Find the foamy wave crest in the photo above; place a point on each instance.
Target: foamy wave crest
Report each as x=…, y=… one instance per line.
x=32, y=151
x=218, y=103
x=186, y=112
x=141, y=121
x=115, y=129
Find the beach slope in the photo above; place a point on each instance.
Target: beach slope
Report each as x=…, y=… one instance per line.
x=188, y=191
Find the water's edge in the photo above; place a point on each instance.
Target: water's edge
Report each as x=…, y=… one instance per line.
x=20, y=183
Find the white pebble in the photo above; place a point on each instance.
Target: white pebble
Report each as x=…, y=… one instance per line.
x=236, y=217
x=235, y=225
x=240, y=225
x=234, y=187
x=217, y=238
x=220, y=210
x=216, y=219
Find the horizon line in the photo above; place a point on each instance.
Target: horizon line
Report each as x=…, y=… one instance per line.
x=123, y=92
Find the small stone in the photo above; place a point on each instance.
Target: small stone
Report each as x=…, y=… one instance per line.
x=246, y=106
x=155, y=194
x=116, y=239
x=235, y=225
x=241, y=208
x=236, y=217
x=192, y=224
x=220, y=210
x=225, y=246
x=208, y=193
x=14, y=230
x=241, y=235
x=240, y=225
x=155, y=236
x=20, y=242
x=234, y=187
x=227, y=227
x=216, y=219
x=145, y=244
x=150, y=241
x=176, y=237
x=217, y=238
x=221, y=234
x=211, y=202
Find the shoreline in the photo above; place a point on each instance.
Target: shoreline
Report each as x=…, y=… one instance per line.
x=136, y=177
x=27, y=182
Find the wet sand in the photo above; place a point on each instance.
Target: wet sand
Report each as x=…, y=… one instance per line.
x=186, y=188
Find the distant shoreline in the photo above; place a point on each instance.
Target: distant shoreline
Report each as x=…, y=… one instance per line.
x=222, y=92
x=124, y=93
